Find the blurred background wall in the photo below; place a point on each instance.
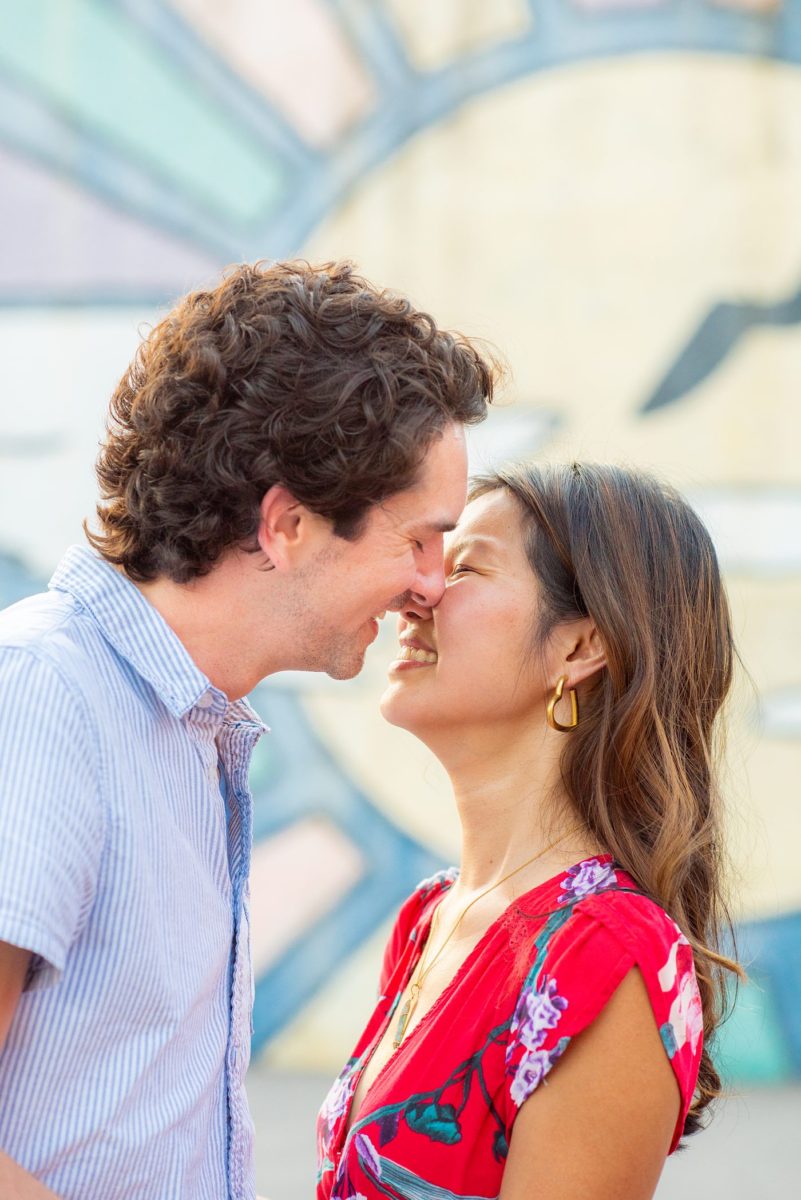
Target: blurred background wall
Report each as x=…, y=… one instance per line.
x=607, y=190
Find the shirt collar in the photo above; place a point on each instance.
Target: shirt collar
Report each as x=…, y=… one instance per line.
x=141, y=636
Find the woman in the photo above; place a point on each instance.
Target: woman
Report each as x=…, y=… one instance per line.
x=545, y=1012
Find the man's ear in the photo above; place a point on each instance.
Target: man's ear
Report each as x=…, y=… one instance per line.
x=279, y=531
x=587, y=656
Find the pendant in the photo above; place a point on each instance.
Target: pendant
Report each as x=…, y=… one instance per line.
x=405, y=1016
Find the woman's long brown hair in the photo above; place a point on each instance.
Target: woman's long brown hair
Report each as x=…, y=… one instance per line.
x=640, y=769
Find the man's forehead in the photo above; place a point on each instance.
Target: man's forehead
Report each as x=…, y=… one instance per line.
x=421, y=526
x=415, y=518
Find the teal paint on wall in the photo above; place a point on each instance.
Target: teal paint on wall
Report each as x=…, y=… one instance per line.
x=99, y=69
x=752, y=1046
x=265, y=766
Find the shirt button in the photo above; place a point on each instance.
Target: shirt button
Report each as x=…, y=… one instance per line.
x=206, y=700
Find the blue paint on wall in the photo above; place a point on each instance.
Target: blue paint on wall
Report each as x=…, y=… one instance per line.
x=306, y=781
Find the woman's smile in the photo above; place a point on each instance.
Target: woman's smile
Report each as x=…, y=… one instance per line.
x=413, y=652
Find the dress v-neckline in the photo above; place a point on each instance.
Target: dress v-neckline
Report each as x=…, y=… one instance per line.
x=347, y=1128
x=420, y=944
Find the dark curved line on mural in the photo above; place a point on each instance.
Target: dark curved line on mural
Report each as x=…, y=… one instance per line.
x=317, y=956
x=197, y=225
x=177, y=39
x=716, y=337
x=425, y=100
x=688, y=26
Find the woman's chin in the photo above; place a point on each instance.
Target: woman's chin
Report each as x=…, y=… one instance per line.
x=397, y=707
x=389, y=705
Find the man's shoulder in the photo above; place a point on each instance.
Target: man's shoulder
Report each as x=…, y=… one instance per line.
x=51, y=628
x=30, y=622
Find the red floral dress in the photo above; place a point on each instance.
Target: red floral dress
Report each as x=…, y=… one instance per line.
x=437, y=1121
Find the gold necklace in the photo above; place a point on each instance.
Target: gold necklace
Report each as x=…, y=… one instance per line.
x=423, y=967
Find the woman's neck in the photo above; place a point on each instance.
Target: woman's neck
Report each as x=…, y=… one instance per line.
x=512, y=806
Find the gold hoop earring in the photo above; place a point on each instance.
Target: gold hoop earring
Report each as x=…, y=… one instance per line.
x=554, y=700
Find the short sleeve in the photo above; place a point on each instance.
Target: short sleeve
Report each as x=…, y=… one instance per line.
x=575, y=973
x=404, y=931
x=51, y=829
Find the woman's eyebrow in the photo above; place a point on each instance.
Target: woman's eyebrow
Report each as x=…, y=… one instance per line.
x=472, y=542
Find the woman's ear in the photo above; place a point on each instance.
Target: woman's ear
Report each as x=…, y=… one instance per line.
x=587, y=656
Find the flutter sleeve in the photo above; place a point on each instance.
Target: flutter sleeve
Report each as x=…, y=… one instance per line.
x=409, y=920
x=580, y=958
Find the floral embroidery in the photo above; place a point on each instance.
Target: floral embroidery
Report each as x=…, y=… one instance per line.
x=587, y=879
x=368, y=1155
x=678, y=960
x=337, y=1100
x=533, y=1068
x=538, y=1011
x=441, y=880
x=685, y=1021
x=453, y=1104
x=336, y=1103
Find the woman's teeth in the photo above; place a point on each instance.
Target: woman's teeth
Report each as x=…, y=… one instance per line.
x=411, y=654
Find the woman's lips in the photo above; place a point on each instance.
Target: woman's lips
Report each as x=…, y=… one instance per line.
x=419, y=654
x=413, y=653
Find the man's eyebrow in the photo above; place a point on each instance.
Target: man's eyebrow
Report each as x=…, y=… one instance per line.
x=438, y=527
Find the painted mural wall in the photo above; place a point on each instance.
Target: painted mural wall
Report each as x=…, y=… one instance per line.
x=607, y=190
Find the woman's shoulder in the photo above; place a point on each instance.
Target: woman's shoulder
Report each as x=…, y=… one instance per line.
x=410, y=916
x=418, y=901
x=638, y=921
x=599, y=927
x=418, y=904
x=600, y=914
x=599, y=890
x=440, y=881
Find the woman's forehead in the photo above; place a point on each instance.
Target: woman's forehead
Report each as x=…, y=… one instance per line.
x=493, y=514
x=491, y=522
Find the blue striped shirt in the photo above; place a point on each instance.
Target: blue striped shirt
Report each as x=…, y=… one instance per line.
x=124, y=871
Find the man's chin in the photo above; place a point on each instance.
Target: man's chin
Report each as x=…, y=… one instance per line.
x=345, y=668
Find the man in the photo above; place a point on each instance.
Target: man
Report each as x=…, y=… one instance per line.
x=283, y=457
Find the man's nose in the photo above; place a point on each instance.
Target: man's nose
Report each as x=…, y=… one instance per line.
x=428, y=590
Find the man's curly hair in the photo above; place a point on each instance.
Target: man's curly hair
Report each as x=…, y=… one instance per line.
x=289, y=373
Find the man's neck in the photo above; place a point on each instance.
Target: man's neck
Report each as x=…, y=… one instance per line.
x=213, y=618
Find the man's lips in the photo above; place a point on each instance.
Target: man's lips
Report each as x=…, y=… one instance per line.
x=373, y=623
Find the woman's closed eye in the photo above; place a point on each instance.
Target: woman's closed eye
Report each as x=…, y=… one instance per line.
x=460, y=569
